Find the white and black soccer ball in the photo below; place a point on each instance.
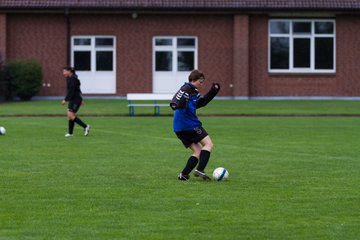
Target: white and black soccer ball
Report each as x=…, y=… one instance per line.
x=2, y=131
x=220, y=174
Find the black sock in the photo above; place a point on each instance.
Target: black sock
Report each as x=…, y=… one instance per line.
x=190, y=165
x=81, y=123
x=71, y=127
x=204, y=158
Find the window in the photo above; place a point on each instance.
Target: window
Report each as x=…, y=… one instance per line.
x=82, y=41
x=93, y=53
x=163, y=61
x=175, y=53
x=163, y=42
x=301, y=46
x=104, y=61
x=82, y=60
x=185, y=60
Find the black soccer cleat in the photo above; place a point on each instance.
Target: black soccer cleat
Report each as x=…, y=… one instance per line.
x=183, y=177
x=202, y=175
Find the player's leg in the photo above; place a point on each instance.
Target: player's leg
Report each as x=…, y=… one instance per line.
x=70, y=116
x=207, y=144
x=80, y=122
x=204, y=157
x=194, y=158
x=74, y=108
x=187, y=138
x=205, y=152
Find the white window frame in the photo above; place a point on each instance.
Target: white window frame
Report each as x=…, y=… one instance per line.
x=93, y=49
x=174, y=49
x=293, y=36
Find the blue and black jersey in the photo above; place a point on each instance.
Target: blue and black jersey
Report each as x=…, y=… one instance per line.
x=185, y=102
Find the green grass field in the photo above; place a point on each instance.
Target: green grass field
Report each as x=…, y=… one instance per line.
x=290, y=177
x=113, y=107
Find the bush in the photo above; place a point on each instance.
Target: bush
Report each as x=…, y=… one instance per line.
x=25, y=77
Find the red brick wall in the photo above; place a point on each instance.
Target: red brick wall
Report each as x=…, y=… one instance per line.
x=348, y=55
x=345, y=82
x=43, y=37
x=241, y=56
x=3, y=85
x=2, y=36
x=134, y=44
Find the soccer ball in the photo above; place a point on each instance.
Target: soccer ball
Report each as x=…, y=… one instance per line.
x=2, y=131
x=220, y=174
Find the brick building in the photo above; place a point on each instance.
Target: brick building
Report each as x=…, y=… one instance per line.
x=254, y=48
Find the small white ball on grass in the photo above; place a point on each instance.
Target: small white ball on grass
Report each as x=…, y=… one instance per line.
x=2, y=131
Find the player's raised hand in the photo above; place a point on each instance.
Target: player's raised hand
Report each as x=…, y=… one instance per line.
x=216, y=85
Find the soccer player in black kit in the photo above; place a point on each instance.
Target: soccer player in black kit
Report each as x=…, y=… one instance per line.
x=74, y=99
x=187, y=126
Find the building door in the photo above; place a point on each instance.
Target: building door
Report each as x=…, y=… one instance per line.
x=173, y=59
x=93, y=58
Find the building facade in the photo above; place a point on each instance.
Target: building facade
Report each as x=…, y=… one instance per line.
x=252, y=48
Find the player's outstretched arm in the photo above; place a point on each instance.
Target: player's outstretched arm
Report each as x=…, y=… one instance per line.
x=204, y=100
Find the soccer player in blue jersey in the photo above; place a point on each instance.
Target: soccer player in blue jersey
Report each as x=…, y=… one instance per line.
x=187, y=126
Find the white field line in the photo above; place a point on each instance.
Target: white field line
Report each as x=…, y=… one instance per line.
x=175, y=139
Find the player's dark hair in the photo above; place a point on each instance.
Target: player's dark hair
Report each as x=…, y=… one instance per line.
x=71, y=69
x=195, y=75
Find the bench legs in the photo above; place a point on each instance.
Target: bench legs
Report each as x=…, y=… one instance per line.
x=132, y=108
x=156, y=111
x=131, y=111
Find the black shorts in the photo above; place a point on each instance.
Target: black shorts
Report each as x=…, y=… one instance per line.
x=74, y=106
x=192, y=136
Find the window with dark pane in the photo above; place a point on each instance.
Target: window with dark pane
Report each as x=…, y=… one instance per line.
x=163, y=42
x=186, y=42
x=279, y=53
x=302, y=53
x=279, y=27
x=104, y=61
x=82, y=41
x=324, y=27
x=163, y=61
x=301, y=27
x=104, y=42
x=185, y=60
x=82, y=60
x=324, y=53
